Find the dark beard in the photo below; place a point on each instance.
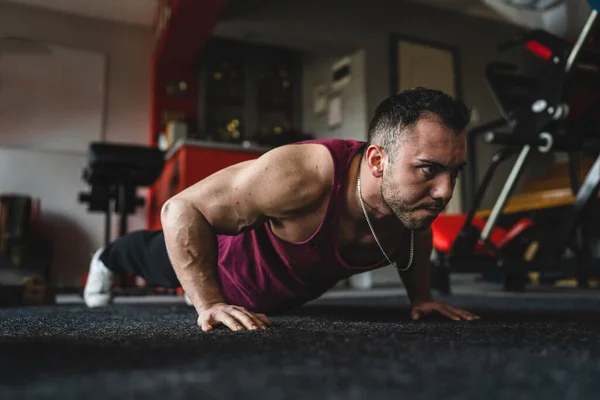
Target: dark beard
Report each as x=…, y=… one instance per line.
x=404, y=212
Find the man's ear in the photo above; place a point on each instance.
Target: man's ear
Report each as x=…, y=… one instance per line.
x=375, y=157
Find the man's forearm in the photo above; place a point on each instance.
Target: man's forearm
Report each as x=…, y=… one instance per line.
x=192, y=248
x=416, y=280
x=417, y=283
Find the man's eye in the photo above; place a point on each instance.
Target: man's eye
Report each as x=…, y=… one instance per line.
x=429, y=170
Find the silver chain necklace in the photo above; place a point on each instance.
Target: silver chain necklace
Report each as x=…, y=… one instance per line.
x=412, y=235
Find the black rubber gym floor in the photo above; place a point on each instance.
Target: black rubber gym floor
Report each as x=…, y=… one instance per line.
x=331, y=349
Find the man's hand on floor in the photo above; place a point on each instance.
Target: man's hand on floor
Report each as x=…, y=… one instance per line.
x=427, y=307
x=234, y=317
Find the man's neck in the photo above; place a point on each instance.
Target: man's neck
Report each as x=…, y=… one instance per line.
x=370, y=195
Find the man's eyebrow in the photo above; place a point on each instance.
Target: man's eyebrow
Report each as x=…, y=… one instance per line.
x=442, y=166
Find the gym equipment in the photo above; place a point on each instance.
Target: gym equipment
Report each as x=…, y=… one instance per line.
x=114, y=172
x=544, y=112
x=562, y=18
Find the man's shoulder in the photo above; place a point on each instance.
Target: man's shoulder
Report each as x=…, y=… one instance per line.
x=333, y=142
x=328, y=148
x=306, y=163
x=316, y=158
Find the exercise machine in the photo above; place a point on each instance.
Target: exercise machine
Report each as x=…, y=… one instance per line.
x=542, y=113
x=114, y=173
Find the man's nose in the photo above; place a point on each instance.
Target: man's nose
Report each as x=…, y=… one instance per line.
x=443, y=188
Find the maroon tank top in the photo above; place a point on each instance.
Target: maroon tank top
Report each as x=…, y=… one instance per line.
x=263, y=273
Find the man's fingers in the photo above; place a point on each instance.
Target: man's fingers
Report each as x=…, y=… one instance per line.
x=264, y=319
x=421, y=312
x=246, y=319
x=260, y=319
x=465, y=314
x=461, y=313
x=234, y=317
x=206, y=327
x=445, y=309
x=449, y=313
x=230, y=322
x=261, y=324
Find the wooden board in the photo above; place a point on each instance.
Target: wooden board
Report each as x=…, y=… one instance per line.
x=534, y=201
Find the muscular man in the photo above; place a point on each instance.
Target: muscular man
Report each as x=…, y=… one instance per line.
x=273, y=233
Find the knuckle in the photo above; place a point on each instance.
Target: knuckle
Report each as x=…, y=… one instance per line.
x=222, y=316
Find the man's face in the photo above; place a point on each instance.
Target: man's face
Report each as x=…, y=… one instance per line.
x=419, y=183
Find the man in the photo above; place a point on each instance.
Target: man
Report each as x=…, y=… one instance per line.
x=269, y=234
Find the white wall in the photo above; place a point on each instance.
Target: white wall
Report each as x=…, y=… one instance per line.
x=55, y=176
x=317, y=71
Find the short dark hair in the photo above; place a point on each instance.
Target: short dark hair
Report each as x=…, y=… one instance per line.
x=398, y=113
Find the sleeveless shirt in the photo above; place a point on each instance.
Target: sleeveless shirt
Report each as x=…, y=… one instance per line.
x=263, y=273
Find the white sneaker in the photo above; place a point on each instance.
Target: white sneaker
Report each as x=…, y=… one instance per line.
x=187, y=300
x=100, y=281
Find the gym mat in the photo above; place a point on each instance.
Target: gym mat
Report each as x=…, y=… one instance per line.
x=358, y=348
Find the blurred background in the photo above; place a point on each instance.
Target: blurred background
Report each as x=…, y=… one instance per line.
x=213, y=82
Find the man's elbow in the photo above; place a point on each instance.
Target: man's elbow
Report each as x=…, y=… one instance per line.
x=172, y=211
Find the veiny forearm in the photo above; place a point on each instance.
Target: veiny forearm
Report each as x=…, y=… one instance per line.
x=192, y=248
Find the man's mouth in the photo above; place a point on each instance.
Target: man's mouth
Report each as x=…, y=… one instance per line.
x=432, y=209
